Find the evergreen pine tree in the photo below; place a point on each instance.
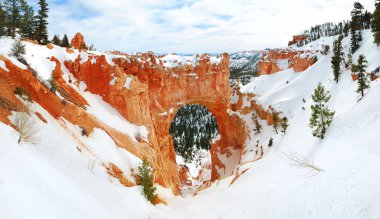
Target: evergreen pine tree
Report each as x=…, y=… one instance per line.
x=258, y=127
x=356, y=26
x=376, y=23
x=276, y=121
x=337, y=58
x=56, y=40
x=357, y=17
x=346, y=29
x=52, y=83
x=257, y=147
x=27, y=21
x=12, y=8
x=367, y=20
x=18, y=50
x=360, y=70
x=65, y=42
x=284, y=125
x=2, y=21
x=354, y=41
x=41, y=23
x=359, y=37
x=349, y=60
x=92, y=47
x=145, y=178
x=326, y=49
x=321, y=116
x=270, y=143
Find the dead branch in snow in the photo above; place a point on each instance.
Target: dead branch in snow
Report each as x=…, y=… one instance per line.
x=25, y=126
x=303, y=163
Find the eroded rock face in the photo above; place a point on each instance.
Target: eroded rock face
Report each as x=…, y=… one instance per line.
x=298, y=38
x=244, y=109
x=303, y=61
x=281, y=59
x=78, y=41
x=70, y=110
x=148, y=92
x=184, y=176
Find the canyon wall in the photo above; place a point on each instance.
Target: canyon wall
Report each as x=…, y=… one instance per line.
x=146, y=90
x=149, y=91
x=281, y=59
x=298, y=38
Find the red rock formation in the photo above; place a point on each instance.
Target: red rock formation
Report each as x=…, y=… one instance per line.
x=50, y=46
x=66, y=91
x=155, y=95
x=298, y=38
x=53, y=104
x=146, y=93
x=298, y=60
x=262, y=113
x=267, y=68
x=78, y=42
x=40, y=117
x=301, y=63
x=354, y=77
x=184, y=176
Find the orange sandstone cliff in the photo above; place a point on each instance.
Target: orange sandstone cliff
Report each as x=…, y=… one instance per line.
x=281, y=59
x=147, y=90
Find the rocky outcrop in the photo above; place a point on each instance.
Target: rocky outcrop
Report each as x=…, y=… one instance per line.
x=252, y=106
x=281, y=59
x=78, y=42
x=184, y=176
x=15, y=77
x=268, y=67
x=298, y=39
x=303, y=61
x=148, y=91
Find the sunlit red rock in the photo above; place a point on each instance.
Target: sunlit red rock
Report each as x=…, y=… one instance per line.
x=145, y=92
x=298, y=38
x=78, y=42
x=157, y=92
x=56, y=107
x=281, y=59
x=184, y=176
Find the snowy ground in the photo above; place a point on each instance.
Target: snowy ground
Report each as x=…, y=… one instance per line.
x=52, y=180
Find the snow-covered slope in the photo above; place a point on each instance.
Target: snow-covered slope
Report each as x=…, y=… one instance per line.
x=274, y=187
x=52, y=180
x=63, y=174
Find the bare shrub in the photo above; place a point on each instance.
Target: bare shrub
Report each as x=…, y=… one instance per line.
x=304, y=164
x=25, y=126
x=91, y=164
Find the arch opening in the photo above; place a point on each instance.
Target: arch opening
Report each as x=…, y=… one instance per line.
x=193, y=129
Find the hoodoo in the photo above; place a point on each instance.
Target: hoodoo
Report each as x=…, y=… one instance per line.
x=78, y=41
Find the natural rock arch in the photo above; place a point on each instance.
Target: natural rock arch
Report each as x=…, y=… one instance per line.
x=154, y=93
x=209, y=87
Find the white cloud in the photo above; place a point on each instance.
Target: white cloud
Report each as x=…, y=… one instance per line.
x=193, y=25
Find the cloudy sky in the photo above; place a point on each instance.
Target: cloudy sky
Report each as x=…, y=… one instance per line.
x=192, y=26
